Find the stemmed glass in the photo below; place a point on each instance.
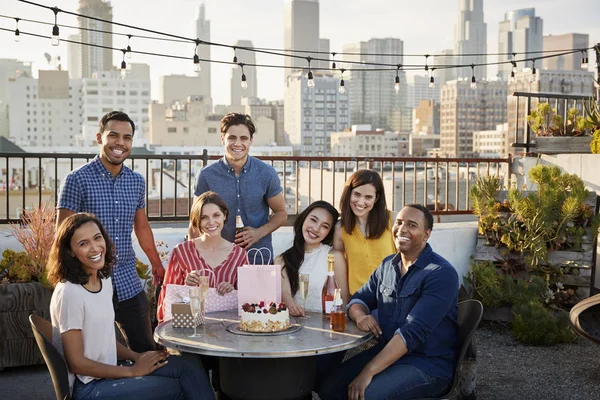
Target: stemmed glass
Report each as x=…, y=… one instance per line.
x=303, y=290
x=195, y=306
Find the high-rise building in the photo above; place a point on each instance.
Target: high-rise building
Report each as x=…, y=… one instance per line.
x=443, y=75
x=470, y=37
x=561, y=42
x=246, y=57
x=88, y=60
x=419, y=89
x=105, y=92
x=74, y=57
x=256, y=107
x=492, y=143
x=363, y=141
x=312, y=114
x=9, y=70
x=520, y=33
x=373, y=100
x=301, y=31
x=172, y=88
x=464, y=110
x=46, y=111
x=203, y=33
x=427, y=118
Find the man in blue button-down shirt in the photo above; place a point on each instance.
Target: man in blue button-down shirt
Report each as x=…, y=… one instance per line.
x=249, y=187
x=416, y=295
x=115, y=194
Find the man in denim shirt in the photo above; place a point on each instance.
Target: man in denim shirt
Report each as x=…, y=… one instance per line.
x=416, y=293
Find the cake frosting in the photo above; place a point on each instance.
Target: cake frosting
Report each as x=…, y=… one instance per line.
x=258, y=317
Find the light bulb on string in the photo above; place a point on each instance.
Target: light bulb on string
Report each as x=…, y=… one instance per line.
x=397, y=80
x=311, y=81
x=197, y=66
x=514, y=63
x=584, y=60
x=431, y=79
x=129, y=55
x=123, y=65
x=244, y=83
x=426, y=66
x=512, y=77
x=17, y=31
x=55, y=32
x=342, y=88
x=533, y=72
x=235, y=59
x=473, y=80
x=333, y=66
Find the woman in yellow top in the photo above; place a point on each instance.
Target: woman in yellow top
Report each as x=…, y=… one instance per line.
x=364, y=232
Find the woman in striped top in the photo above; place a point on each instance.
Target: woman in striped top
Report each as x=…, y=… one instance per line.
x=209, y=251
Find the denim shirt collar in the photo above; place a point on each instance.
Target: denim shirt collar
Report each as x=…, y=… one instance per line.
x=223, y=161
x=421, y=262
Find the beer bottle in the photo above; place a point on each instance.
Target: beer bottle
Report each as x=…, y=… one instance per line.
x=239, y=224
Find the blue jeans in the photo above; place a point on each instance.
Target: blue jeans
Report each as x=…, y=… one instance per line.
x=396, y=382
x=177, y=380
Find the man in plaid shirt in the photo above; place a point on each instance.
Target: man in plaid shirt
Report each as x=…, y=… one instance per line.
x=115, y=194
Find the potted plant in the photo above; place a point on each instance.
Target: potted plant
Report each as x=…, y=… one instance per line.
x=23, y=286
x=554, y=134
x=592, y=110
x=535, y=250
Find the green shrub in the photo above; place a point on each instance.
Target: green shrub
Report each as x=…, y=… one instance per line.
x=536, y=325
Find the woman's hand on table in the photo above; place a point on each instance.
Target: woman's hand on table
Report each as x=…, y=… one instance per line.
x=295, y=310
x=367, y=323
x=192, y=279
x=224, y=287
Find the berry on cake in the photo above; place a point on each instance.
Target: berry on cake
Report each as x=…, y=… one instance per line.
x=258, y=317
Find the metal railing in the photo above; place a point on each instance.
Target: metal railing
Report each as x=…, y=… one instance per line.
x=523, y=137
x=28, y=179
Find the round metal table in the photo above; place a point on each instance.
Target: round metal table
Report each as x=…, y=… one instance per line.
x=287, y=362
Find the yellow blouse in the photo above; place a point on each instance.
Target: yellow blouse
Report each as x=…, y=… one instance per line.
x=364, y=255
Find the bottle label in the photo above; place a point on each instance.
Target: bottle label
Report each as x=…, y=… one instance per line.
x=328, y=306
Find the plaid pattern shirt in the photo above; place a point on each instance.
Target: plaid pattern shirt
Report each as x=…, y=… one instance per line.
x=92, y=188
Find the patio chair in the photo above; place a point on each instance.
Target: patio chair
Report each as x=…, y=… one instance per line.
x=470, y=313
x=42, y=330
x=584, y=307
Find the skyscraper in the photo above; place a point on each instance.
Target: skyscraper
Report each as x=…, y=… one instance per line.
x=246, y=57
x=520, y=32
x=372, y=97
x=470, y=37
x=87, y=60
x=301, y=31
x=203, y=33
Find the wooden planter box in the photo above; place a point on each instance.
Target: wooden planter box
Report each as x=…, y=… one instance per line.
x=17, y=302
x=563, y=144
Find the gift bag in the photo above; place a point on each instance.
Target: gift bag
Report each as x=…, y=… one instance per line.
x=259, y=282
x=183, y=317
x=214, y=302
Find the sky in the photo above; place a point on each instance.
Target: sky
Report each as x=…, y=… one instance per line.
x=426, y=27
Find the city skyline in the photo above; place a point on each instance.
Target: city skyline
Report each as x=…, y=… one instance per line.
x=342, y=22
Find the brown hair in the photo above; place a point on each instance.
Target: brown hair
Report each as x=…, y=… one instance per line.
x=201, y=201
x=379, y=216
x=232, y=119
x=62, y=265
x=116, y=116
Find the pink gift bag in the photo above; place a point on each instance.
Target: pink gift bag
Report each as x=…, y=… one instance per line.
x=259, y=282
x=214, y=302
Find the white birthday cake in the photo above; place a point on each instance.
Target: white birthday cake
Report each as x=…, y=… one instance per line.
x=258, y=317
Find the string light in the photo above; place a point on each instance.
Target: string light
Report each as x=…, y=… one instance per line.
x=55, y=39
x=426, y=66
x=514, y=63
x=123, y=65
x=584, y=60
x=244, y=83
x=342, y=88
x=432, y=79
x=311, y=81
x=533, y=71
x=17, y=32
x=129, y=46
x=333, y=66
x=397, y=80
x=235, y=60
x=512, y=77
x=197, y=66
x=473, y=80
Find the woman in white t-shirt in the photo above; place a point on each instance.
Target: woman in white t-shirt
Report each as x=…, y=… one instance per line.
x=313, y=237
x=83, y=325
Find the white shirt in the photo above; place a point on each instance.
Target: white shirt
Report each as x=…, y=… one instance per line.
x=314, y=264
x=74, y=307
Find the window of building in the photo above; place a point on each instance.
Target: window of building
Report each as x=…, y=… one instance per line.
x=212, y=130
x=172, y=129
